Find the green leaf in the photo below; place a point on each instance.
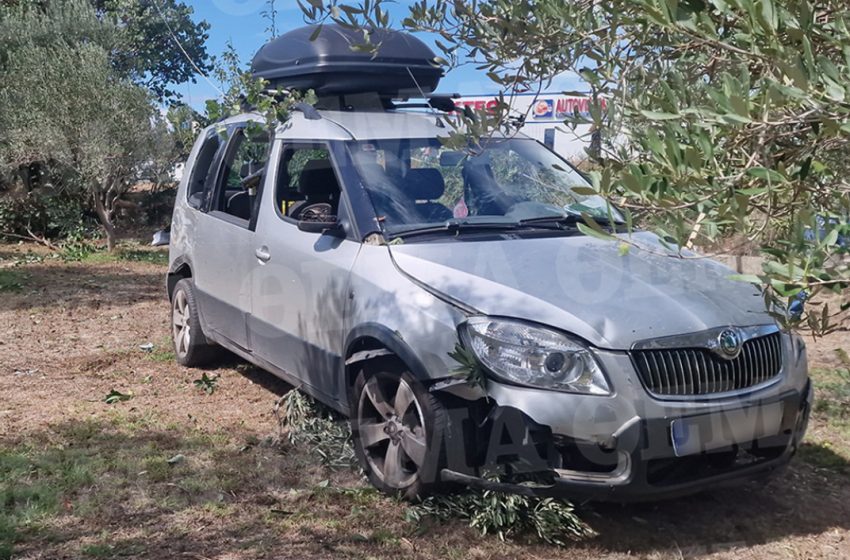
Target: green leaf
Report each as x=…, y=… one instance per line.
x=751, y=278
x=598, y=234
x=660, y=116
x=831, y=238
x=766, y=174
x=755, y=191
x=316, y=32
x=116, y=396
x=584, y=191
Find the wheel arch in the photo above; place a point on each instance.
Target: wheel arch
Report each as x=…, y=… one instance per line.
x=372, y=341
x=180, y=269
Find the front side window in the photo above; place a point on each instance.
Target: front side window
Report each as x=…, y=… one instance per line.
x=307, y=185
x=417, y=183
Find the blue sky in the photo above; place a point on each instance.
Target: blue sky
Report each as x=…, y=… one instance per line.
x=242, y=23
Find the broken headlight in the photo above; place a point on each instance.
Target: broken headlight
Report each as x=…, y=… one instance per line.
x=535, y=356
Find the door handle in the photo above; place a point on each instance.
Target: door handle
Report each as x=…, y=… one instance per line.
x=263, y=254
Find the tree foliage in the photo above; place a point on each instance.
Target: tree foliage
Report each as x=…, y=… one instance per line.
x=87, y=128
x=719, y=118
x=147, y=52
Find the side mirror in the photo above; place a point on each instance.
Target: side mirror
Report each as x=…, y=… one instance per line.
x=161, y=238
x=330, y=227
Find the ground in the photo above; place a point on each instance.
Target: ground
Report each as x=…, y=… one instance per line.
x=170, y=471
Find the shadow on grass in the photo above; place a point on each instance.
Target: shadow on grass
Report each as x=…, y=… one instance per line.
x=801, y=500
x=129, y=488
x=76, y=285
x=123, y=488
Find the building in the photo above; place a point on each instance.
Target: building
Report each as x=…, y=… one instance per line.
x=544, y=117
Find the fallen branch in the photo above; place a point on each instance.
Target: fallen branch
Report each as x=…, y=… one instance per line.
x=32, y=237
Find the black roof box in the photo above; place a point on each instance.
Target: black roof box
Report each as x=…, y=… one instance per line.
x=402, y=66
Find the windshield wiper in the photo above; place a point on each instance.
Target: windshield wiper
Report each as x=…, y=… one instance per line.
x=564, y=220
x=453, y=226
x=568, y=220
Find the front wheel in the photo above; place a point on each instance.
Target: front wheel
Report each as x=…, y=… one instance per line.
x=398, y=428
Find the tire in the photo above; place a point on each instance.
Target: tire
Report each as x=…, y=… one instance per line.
x=411, y=436
x=191, y=347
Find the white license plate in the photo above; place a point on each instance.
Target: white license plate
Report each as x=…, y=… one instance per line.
x=721, y=429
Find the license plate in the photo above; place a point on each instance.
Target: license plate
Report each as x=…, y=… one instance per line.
x=721, y=429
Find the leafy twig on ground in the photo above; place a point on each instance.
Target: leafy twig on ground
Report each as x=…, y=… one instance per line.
x=507, y=515
x=116, y=396
x=303, y=421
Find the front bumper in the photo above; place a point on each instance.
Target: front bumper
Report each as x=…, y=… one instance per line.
x=621, y=448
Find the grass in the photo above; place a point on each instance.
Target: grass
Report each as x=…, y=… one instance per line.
x=119, y=471
x=33, y=485
x=828, y=447
x=12, y=280
x=163, y=351
x=157, y=257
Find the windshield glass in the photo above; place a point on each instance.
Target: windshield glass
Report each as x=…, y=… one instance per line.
x=419, y=183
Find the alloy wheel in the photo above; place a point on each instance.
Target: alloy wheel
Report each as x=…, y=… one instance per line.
x=180, y=323
x=392, y=430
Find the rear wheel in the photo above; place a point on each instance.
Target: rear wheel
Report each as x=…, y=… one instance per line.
x=398, y=428
x=191, y=347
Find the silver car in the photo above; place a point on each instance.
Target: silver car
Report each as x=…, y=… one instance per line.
x=447, y=302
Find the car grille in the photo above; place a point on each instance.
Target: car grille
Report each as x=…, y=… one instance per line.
x=698, y=371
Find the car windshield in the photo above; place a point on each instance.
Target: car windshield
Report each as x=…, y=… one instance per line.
x=418, y=184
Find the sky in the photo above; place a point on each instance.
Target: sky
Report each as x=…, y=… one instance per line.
x=242, y=23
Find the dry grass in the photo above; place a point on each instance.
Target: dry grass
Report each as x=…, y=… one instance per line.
x=80, y=478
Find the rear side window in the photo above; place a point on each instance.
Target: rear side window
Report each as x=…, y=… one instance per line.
x=248, y=157
x=201, y=169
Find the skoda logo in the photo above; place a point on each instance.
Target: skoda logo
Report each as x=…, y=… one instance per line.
x=729, y=343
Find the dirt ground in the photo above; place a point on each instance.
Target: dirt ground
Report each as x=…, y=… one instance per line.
x=174, y=472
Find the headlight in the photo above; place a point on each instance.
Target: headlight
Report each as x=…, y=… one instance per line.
x=528, y=355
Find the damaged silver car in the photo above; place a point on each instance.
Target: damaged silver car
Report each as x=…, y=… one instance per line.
x=448, y=303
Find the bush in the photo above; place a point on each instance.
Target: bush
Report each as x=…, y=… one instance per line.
x=45, y=212
x=78, y=244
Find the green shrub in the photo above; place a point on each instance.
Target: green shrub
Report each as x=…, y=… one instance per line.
x=78, y=244
x=46, y=212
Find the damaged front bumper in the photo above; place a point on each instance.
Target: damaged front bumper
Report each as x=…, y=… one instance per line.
x=625, y=447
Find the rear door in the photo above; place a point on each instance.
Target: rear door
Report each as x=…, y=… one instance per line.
x=224, y=234
x=301, y=287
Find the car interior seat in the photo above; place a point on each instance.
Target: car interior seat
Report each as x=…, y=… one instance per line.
x=482, y=192
x=424, y=186
x=240, y=204
x=317, y=183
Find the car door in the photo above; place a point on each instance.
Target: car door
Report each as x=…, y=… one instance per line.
x=224, y=241
x=301, y=290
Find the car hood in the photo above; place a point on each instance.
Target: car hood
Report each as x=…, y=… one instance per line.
x=586, y=286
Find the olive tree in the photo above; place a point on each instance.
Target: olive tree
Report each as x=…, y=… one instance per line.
x=62, y=105
x=719, y=119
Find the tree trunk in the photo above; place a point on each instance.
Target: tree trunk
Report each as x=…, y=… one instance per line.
x=105, y=221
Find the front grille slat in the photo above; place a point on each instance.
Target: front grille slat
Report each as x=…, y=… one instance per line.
x=686, y=372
